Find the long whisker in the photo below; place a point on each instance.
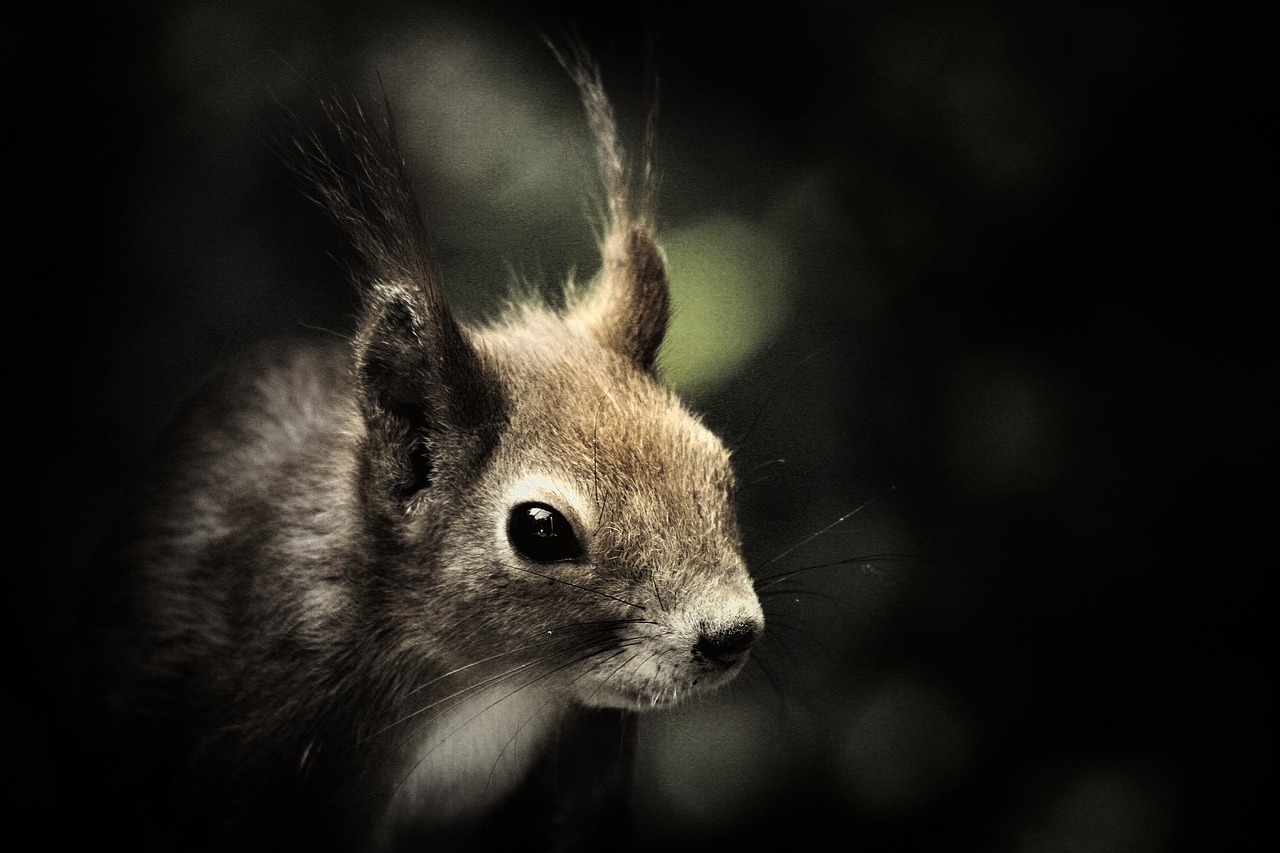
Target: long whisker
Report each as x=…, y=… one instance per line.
x=490, y=706
x=600, y=643
x=840, y=601
x=497, y=759
x=462, y=693
x=616, y=670
x=762, y=584
x=480, y=662
x=497, y=678
x=758, y=480
x=766, y=405
x=574, y=585
x=533, y=645
x=765, y=464
x=657, y=594
x=457, y=697
x=815, y=535
x=783, y=649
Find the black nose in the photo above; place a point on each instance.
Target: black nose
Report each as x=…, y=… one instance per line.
x=726, y=644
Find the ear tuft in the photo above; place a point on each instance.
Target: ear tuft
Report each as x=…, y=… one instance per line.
x=432, y=410
x=629, y=307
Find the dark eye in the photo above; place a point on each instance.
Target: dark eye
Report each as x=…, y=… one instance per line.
x=542, y=534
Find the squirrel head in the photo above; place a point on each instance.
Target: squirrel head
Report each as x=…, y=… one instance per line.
x=539, y=497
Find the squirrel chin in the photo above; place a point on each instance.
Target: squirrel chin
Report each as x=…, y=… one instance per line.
x=647, y=698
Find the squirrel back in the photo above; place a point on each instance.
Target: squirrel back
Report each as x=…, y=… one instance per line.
x=386, y=591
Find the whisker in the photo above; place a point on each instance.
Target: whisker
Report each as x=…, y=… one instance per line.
x=657, y=594
x=516, y=650
x=815, y=535
x=599, y=636
x=498, y=759
x=757, y=481
x=460, y=726
x=616, y=669
x=457, y=697
x=542, y=642
x=766, y=404
x=572, y=584
x=779, y=646
x=763, y=584
x=482, y=683
x=761, y=667
x=765, y=464
x=842, y=602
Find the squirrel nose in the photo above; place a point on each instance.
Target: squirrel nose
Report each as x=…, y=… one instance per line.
x=726, y=644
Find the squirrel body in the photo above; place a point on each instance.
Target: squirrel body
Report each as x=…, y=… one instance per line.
x=385, y=590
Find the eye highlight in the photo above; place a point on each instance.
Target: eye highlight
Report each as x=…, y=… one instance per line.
x=541, y=533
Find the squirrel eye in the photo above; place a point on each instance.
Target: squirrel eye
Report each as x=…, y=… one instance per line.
x=542, y=534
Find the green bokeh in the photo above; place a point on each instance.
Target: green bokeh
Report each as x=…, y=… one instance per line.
x=729, y=281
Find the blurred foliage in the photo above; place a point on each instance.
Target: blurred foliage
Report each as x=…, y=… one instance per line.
x=729, y=286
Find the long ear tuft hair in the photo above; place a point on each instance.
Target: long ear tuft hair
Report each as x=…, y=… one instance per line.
x=425, y=393
x=629, y=307
x=362, y=182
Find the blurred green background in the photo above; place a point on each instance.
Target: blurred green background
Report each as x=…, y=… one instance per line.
x=986, y=266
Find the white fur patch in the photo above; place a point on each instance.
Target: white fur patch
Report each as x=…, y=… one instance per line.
x=472, y=755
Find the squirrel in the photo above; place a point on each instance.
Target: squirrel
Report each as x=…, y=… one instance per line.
x=412, y=589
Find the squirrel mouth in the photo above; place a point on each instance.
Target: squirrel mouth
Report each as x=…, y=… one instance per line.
x=665, y=664
x=653, y=687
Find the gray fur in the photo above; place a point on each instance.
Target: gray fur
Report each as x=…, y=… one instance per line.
x=313, y=628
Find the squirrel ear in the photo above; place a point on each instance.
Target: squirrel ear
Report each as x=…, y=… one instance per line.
x=628, y=308
x=424, y=394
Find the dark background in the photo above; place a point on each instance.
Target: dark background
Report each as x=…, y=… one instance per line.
x=1026, y=318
